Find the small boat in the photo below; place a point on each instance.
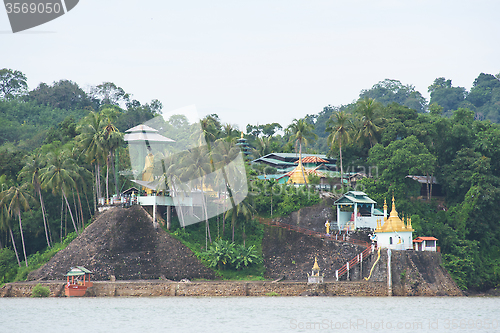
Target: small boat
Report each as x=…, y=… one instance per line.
x=80, y=281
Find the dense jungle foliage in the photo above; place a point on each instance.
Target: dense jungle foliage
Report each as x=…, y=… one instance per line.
x=61, y=147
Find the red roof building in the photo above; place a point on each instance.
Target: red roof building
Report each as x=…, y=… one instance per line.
x=425, y=244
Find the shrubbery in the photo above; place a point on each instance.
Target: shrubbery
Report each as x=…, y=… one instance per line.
x=284, y=199
x=40, y=291
x=223, y=254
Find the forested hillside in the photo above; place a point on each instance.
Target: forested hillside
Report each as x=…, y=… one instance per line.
x=61, y=147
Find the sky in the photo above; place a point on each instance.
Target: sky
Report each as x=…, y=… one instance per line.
x=257, y=61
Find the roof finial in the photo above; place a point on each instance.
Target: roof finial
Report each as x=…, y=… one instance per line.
x=393, y=210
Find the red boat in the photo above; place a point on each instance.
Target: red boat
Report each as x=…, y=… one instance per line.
x=77, y=286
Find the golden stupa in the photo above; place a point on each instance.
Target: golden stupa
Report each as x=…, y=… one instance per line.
x=393, y=223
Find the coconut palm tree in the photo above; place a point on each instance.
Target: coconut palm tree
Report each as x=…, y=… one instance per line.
x=4, y=216
x=367, y=110
x=111, y=139
x=301, y=132
x=90, y=141
x=246, y=211
x=340, y=126
x=31, y=171
x=264, y=146
x=5, y=226
x=16, y=199
x=194, y=166
x=59, y=175
x=223, y=153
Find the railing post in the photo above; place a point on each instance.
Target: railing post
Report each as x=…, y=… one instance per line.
x=361, y=266
x=337, y=274
x=348, y=271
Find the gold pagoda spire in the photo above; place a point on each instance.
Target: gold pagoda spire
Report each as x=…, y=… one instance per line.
x=393, y=222
x=393, y=213
x=315, y=266
x=385, y=209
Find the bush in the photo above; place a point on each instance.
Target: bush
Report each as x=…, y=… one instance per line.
x=8, y=265
x=223, y=254
x=40, y=291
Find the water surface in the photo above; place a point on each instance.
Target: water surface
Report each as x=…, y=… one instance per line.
x=250, y=314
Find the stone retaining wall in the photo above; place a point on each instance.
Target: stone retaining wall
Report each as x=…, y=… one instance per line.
x=208, y=288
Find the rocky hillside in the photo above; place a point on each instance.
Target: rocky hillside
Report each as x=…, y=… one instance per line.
x=123, y=243
x=290, y=254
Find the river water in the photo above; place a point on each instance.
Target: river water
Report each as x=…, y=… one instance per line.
x=250, y=314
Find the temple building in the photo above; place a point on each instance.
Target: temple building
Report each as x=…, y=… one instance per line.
x=425, y=244
x=394, y=233
x=244, y=146
x=355, y=210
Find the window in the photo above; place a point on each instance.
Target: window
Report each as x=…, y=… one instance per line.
x=390, y=240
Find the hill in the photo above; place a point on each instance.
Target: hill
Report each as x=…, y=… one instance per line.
x=122, y=242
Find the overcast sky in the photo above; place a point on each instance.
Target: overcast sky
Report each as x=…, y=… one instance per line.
x=258, y=61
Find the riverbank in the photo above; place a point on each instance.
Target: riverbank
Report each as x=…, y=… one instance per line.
x=142, y=288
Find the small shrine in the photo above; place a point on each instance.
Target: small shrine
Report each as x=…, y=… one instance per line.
x=315, y=277
x=425, y=244
x=80, y=281
x=394, y=233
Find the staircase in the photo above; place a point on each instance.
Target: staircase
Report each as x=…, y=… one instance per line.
x=356, y=260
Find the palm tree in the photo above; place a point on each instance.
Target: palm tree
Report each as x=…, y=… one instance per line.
x=112, y=138
x=90, y=141
x=301, y=132
x=367, y=109
x=339, y=125
x=195, y=165
x=31, y=170
x=263, y=146
x=230, y=133
x=16, y=199
x=4, y=216
x=59, y=175
x=222, y=155
x=5, y=226
x=245, y=210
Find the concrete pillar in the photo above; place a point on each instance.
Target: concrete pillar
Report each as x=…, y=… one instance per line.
x=169, y=216
x=355, y=214
x=389, y=273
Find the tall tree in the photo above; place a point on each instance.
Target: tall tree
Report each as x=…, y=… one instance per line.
x=4, y=215
x=340, y=127
x=31, y=171
x=109, y=93
x=111, y=139
x=301, y=132
x=91, y=143
x=64, y=94
x=59, y=176
x=367, y=110
x=12, y=83
x=390, y=91
x=17, y=199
